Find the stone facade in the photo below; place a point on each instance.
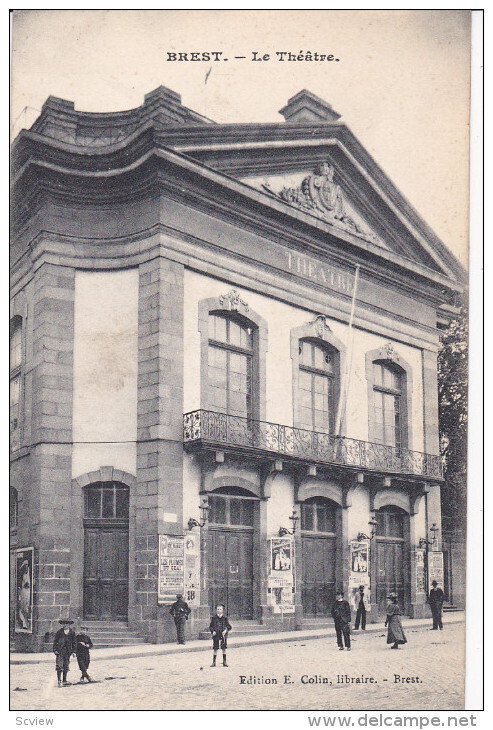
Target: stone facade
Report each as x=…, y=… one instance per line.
x=200, y=242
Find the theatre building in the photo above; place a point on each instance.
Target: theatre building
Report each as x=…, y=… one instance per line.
x=224, y=348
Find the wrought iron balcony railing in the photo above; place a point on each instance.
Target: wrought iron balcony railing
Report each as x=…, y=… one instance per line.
x=219, y=429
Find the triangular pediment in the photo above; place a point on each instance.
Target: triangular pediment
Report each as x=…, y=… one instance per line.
x=318, y=193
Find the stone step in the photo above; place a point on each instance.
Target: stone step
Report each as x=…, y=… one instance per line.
x=111, y=629
x=241, y=628
x=105, y=624
x=451, y=609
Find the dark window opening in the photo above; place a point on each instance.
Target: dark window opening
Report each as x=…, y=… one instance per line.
x=318, y=515
x=106, y=501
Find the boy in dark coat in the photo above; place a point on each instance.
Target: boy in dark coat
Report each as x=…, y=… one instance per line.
x=219, y=628
x=180, y=612
x=83, y=645
x=63, y=647
x=341, y=613
x=435, y=599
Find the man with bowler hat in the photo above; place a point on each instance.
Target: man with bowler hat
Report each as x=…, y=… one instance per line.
x=64, y=646
x=341, y=613
x=180, y=612
x=435, y=599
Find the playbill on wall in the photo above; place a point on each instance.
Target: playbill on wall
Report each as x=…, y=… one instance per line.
x=238, y=359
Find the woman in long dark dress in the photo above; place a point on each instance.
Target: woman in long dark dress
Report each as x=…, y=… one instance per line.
x=395, y=633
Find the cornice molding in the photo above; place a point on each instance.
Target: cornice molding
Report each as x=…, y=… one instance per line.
x=147, y=175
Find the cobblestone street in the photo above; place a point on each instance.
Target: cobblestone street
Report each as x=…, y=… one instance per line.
x=433, y=660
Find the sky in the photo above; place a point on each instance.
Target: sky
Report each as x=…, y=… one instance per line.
x=401, y=83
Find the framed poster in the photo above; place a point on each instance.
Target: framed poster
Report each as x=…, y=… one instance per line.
x=281, y=575
x=170, y=567
x=420, y=571
x=359, y=571
x=192, y=570
x=24, y=583
x=435, y=567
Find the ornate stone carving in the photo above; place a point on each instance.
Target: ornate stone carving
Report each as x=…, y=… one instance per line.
x=233, y=297
x=320, y=326
x=390, y=351
x=321, y=196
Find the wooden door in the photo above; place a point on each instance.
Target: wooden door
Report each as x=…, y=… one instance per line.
x=390, y=573
x=230, y=564
x=319, y=575
x=106, y=573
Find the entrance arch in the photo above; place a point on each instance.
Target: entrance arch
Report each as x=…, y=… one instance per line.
x=319, y=522
x=106, y=541
x=392, y=559
x=230, y=548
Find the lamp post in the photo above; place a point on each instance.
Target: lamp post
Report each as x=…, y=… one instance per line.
x=204, y=516
x=294, y=517
x=363, y=536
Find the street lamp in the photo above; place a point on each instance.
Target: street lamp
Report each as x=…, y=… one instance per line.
x=294, y=519
x=204, y=515
x=373, y=524
x=423, y=541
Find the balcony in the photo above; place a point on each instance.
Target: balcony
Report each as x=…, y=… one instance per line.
x=218, y=430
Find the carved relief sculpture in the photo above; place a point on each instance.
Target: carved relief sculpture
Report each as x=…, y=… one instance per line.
x=321, y=196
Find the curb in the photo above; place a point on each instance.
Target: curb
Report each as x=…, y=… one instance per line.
x=148, y=650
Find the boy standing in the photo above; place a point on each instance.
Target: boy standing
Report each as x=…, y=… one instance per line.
x=219, y=628
x=341, y=613
x=63, y=648
x=83, y=645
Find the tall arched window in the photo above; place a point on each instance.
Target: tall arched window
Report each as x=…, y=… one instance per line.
x=15, y=380
x=230, y=364
x=387, y=404
x=317, y=386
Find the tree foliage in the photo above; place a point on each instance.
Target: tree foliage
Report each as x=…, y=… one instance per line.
x=452, y=405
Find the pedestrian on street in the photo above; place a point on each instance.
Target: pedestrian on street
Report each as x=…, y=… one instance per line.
x=361, y=602
x=395, y=633
x=64, y=646
x=435, y=599
x=83, y=645
x=219, y=628
x=341, y=613
x=180, y=612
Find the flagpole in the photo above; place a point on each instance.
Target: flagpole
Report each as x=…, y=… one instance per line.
x=349, y=360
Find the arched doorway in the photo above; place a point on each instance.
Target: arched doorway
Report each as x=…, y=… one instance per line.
x=230, y=550
x=392, y=565
x=318, y=548
x=106, y=551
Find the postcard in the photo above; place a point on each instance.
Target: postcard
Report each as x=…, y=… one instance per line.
x=238, y=373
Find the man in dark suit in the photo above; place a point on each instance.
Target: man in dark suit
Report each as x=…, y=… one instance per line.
x=341, y=613
x=435, y=599
x=180, y=612
x=360, y=601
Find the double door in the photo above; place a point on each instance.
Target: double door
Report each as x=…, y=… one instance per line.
x=230, y=571
x=319, y=575
x=106, y=573
x=390, y=573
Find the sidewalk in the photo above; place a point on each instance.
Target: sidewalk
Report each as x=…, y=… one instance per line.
x=145, y=650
